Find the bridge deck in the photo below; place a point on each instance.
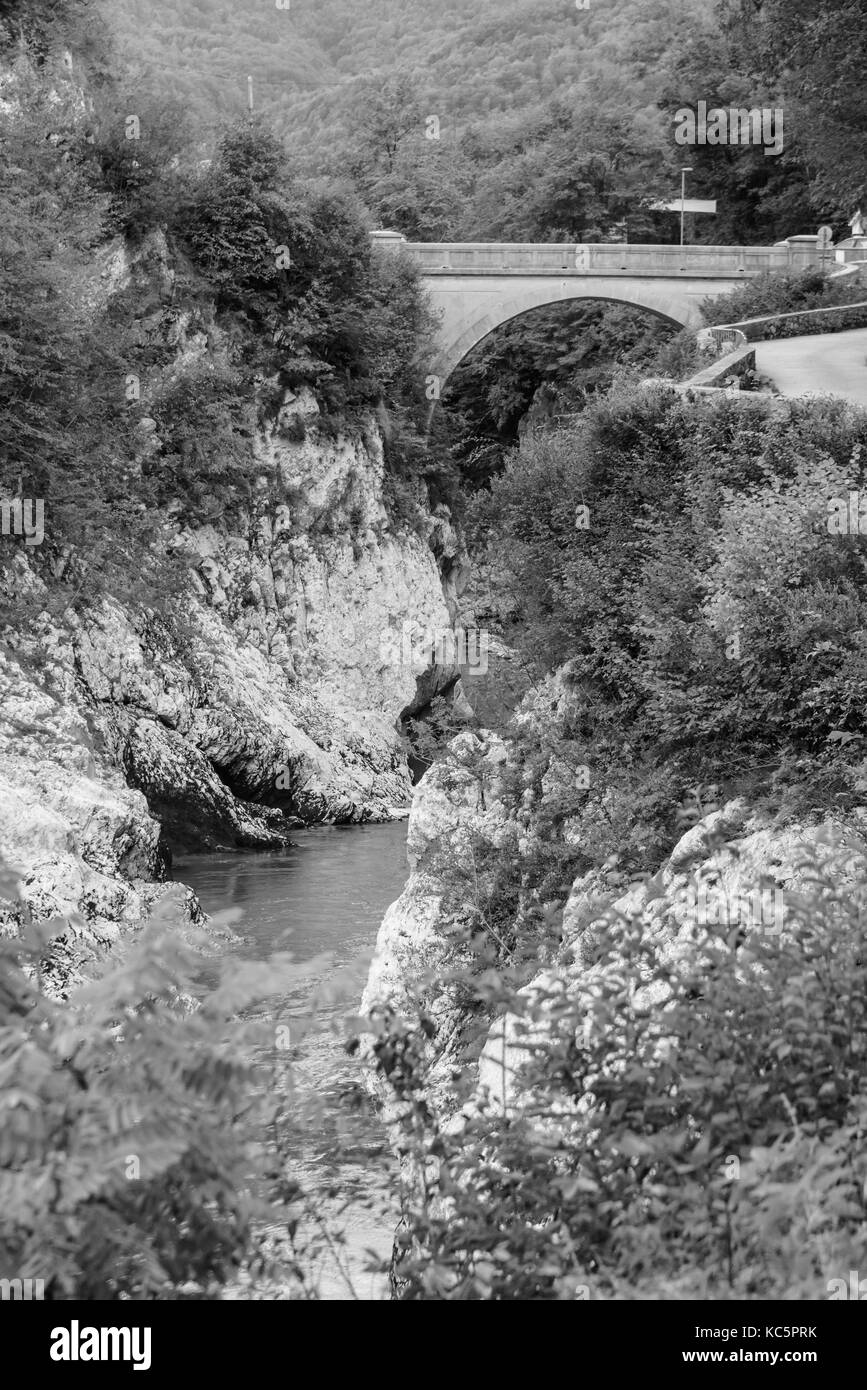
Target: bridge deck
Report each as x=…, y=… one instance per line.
x=605, y=258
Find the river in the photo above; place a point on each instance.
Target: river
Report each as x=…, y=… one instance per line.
x=326, y=894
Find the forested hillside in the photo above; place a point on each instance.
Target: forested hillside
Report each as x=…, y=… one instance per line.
x=485, y=120
x=548, y=121
x=472, y=60
x=204, y=50
x=481, y=119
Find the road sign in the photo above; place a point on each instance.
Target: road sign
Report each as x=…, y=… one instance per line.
x=689, y=205
x=825, y=239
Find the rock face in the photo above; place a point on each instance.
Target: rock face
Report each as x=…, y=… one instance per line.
x=729, y=868
x=457, y=811
x=76, y=844
x=284, y=703
x=279, y=704
x=276, y=707
x=275, y=703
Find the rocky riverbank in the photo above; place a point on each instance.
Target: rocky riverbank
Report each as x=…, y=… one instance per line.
x=733, y=866
x=274, y=704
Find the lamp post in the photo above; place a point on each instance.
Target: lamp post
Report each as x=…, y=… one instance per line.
x=683, y=174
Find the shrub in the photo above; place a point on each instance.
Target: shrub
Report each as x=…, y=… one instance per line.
x=134, y=1144
x=295, y=268
x=707, y=1142
x=780, y=294
x=834, y=321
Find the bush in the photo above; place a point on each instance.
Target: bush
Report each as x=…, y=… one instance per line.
x=834, y=321
x=294, y=268
x=686, y=1126
x=770, y=294
x=134, y=1142
x=674, y=561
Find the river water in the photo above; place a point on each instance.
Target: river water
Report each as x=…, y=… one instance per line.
x=327, y=894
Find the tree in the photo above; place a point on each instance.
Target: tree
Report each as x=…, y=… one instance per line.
x=386, y=112
x=814, y=57
x=139, y=145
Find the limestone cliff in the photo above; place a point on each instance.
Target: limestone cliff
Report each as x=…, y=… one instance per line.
x=457, y=810
x=77, y=845
x=285, y=691
x=732, y=867
x=274, y=701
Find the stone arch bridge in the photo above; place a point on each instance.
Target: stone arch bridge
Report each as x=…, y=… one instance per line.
x=476, y=287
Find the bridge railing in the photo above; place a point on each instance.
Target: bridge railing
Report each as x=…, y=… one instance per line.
x=607, y=258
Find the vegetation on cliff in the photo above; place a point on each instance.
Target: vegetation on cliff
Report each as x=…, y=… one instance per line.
x=280, y=274
x=150, y=325
x=677, y=1124
x=684, y=1118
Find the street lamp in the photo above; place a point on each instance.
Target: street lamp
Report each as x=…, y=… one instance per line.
x=683, y=174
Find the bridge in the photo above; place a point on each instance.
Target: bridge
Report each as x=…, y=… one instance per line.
x=476, y=287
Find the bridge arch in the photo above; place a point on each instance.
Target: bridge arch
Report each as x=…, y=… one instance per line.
x=463, y=327
x=460, y=332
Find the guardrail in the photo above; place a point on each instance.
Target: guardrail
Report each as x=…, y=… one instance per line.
x=802, y=320
x=723, y=339
x=602, y=258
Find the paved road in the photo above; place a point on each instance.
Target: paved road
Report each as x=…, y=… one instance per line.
x=831, y=364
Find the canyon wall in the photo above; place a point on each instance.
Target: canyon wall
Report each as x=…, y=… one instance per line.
x=273, y=703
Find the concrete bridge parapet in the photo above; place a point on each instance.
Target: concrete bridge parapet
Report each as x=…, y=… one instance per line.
x=515, y=258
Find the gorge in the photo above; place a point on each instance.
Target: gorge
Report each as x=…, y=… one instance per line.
x=433, y=794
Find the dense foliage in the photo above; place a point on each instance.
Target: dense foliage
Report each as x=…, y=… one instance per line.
x=136, y=1145
x=691, y=1125
x=767, y=295
x=551, y=121
x=65, y=432
x=678, y=560
x=814, y=56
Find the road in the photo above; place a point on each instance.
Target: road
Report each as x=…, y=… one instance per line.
x=831, y=364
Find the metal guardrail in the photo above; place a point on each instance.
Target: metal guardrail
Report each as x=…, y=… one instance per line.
x=750, y=329
x=725, y=338
x=605, y=258
x=858, y=310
